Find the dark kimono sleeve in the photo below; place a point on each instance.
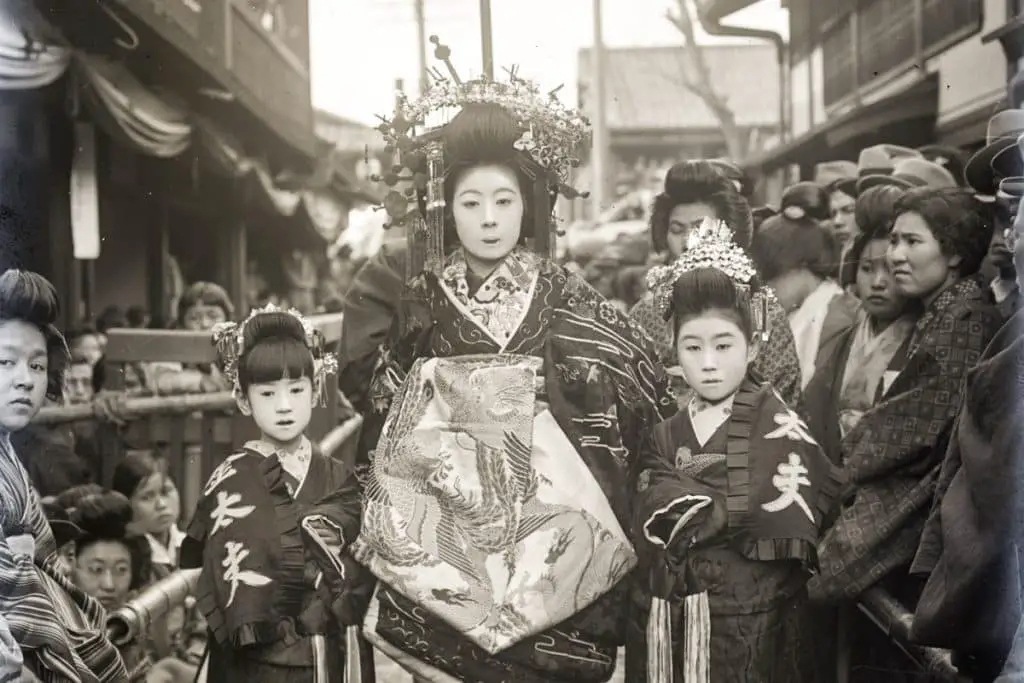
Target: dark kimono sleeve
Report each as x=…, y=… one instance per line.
x=672, y=511
x=371, y=306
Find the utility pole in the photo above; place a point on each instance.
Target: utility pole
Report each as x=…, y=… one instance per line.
x=421, y=37
x=486, y=38
x=599, y=153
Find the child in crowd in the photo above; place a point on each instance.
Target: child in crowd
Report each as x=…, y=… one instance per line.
x=156, y=507
x=731, y=496
x=273, y=520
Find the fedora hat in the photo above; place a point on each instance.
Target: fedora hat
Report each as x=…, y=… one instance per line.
x=875, y=160
x=828, y=172
x=1003, y=130
x=1009, y=162
x=950, y=158
x=909, y=173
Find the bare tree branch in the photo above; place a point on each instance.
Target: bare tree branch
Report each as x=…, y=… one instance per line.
x=697, y=78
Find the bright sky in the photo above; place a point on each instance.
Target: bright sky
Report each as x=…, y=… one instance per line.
x=359, y=47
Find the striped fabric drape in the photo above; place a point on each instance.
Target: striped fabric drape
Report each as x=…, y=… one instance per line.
x=58, y=628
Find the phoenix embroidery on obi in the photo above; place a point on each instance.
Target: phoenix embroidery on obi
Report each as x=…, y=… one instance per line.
x=481, y=511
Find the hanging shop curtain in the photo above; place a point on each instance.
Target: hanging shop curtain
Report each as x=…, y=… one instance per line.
x=31, y=52
x=129, y=111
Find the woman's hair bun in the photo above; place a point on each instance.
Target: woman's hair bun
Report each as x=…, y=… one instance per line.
x=276, y=325
x=806, y=200
x=103, y=515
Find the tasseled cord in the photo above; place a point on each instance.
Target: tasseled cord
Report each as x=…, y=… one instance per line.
x=696, y=641
x=353, y=661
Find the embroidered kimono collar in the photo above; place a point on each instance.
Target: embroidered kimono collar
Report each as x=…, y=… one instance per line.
x=501, y=302
x=296, y=463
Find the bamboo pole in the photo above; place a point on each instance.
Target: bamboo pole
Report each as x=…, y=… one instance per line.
x=340, y=434
x=141, y=406
x=894, y=620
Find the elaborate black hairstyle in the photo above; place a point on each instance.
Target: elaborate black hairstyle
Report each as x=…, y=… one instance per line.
x=275, y=348
x=104, y=516
x=806, y=199
x=30, y=298
x=483, y=135
x=784, y=244
x=692, y=182
x=698, y=291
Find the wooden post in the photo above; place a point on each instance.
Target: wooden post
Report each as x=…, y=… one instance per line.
x=487, y=38
x=599, y=156
x=157, y=253
x=421, y=37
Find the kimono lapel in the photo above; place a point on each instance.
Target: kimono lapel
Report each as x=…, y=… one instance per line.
x=296, y=465
x=503, y=300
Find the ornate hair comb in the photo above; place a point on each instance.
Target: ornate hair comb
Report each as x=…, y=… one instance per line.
x=710, y=245
x=550, y=131
x=229, y=340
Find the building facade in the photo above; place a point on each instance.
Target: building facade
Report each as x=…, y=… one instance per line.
x=906, y=72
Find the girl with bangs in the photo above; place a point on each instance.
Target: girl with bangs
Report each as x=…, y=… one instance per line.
x=280, y=600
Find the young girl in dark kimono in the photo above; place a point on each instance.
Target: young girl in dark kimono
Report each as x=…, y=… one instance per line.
x=731, y=493
x=281, y=602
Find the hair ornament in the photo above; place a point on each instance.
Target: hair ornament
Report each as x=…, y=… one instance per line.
x=550, y=131
x=710, y=245
x=229, y=340
x=794, y=212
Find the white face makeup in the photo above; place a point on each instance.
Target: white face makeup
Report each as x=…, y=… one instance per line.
x=23, y=373
x=282, y=409
x=488, y=209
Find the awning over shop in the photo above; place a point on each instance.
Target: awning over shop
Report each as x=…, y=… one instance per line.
x=906, y=118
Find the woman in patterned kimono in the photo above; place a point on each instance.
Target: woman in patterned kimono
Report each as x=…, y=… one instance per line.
x=695, y=190
x=281, y=601
x=893, y=455
x=504, y=415
x=731, y=496
x=50, y=630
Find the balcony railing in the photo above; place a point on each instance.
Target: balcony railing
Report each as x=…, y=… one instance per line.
x=258, y=48
x=880, y=37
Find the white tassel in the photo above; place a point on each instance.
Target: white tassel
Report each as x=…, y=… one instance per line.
x=659, y=642
x=697, y=639
x=353, y=661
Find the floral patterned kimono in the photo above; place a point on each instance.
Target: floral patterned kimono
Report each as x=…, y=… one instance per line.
x=730, y=501
x=277, y=593
x=496, y=493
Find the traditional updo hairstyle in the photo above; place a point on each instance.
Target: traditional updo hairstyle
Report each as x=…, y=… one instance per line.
x=784, y=244
x=275, y=348
x=806, y=199
x=958, y=221
x=485, y=135
x=874, y=214
x=700, y=182
x=104, y=516
x=30, y=298
x=701, y=290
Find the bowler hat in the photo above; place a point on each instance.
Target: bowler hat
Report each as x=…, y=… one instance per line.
x=828, y=172
x=1003, y=131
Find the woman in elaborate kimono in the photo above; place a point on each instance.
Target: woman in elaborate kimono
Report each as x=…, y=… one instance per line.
x=695, y=190
x=281, y=600
x=506, y=410
x=731, y=496
x=50, y=630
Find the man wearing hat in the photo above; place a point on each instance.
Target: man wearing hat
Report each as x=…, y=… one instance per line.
x=908, y=173
x=999, y=158
x=832, y=175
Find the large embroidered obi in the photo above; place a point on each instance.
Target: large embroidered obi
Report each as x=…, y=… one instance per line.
x=483, y=512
